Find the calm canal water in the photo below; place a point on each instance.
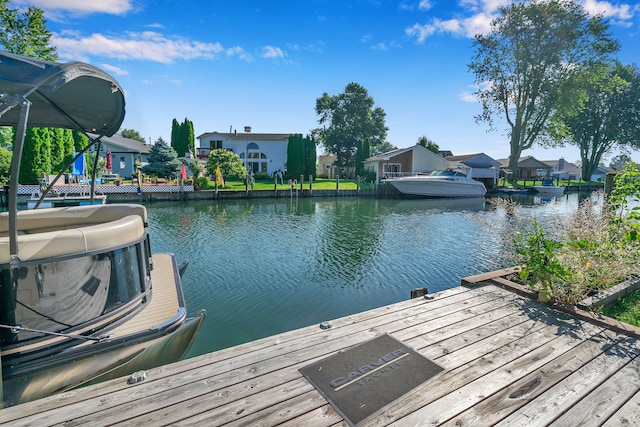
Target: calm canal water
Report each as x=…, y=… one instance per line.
x=261, y=267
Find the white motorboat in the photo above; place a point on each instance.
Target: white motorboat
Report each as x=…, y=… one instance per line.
x=549, y=189
x=445, y=183
x=82, y=299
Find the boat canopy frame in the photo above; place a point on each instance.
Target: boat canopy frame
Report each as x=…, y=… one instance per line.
x=39, y=93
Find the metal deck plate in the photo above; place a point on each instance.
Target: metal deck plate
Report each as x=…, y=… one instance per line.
x=362, y=380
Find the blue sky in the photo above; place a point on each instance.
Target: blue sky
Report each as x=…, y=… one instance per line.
x=235, y=63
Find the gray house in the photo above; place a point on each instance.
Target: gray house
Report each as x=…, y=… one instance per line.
x=125, y=153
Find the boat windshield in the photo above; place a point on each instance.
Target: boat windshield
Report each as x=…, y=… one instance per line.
x=448, y=173
x=61, y=294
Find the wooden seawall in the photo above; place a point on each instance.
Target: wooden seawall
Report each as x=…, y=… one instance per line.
x=507, y=360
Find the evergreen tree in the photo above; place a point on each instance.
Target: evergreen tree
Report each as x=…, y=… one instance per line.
x=295, y=156
x=25, y=33
x=175, y=135
x=80, y=141
x=163, y=161
x=57, y=149
x=310, y=156
x=183, y=137
x=36, y=156
x=191, y=144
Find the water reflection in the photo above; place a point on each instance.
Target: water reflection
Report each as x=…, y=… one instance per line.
x=260, y=267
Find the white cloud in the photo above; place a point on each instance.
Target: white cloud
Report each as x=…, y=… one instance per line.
x=239, y=52
x=113, y=7
x=380, y=46
x=424, y=5
x=114, y=70
x=594, y=7
x=420, y=32
x=272, y=52
x=147, y=45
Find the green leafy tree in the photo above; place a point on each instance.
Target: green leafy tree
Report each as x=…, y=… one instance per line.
x=5, y=164
x=428, y=144
x=523, y=66
x=348, y=119
x=607, y=118
x=6, y=136
x=384, y=147
x=133, y=134
x=230, y=165
x=163, y=161
x=25, y=33
x=619, y=161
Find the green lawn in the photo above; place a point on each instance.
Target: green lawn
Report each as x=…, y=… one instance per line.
x=626, y=309
x=318, y=184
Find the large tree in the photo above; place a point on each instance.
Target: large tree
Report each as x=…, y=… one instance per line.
x=25, y=33
x=182, y=137
x=132, y=134
x=608, y=117
x=301, y=156
x=163, y=161
x=349, y=119
x=230, y=164
x=36, y=155
x=428, y=144
x=522, y=67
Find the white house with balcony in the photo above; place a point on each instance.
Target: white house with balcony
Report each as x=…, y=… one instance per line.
x=263, y=153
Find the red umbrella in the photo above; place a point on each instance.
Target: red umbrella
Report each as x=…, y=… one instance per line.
x=109, y=160
x=183, y=172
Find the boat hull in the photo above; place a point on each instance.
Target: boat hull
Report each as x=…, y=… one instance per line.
x=100, y=361
x=549, y=190
x=428, y=187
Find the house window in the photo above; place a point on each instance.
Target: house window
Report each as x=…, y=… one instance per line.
x=122, y=162
x=215, y=144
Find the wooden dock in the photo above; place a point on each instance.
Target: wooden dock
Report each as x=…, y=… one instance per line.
x=507, y=360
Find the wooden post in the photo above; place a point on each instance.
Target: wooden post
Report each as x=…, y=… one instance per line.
x=310, y=185
x=358, y=183
x=275, y=185
x=337, y=182
x=301, y=181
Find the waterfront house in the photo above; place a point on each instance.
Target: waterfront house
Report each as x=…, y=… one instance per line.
x=483, y=167
x=264, y=153
x=125, y=154
x=326, y=166
x=528, y=168
x=404, y=161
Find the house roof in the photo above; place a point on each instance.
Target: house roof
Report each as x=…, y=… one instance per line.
x=390, y=154
x=244, y=136
x=477, y=160
x=524, y=162
x=128, y=145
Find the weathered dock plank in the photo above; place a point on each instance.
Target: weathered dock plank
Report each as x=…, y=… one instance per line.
x=507, y=359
